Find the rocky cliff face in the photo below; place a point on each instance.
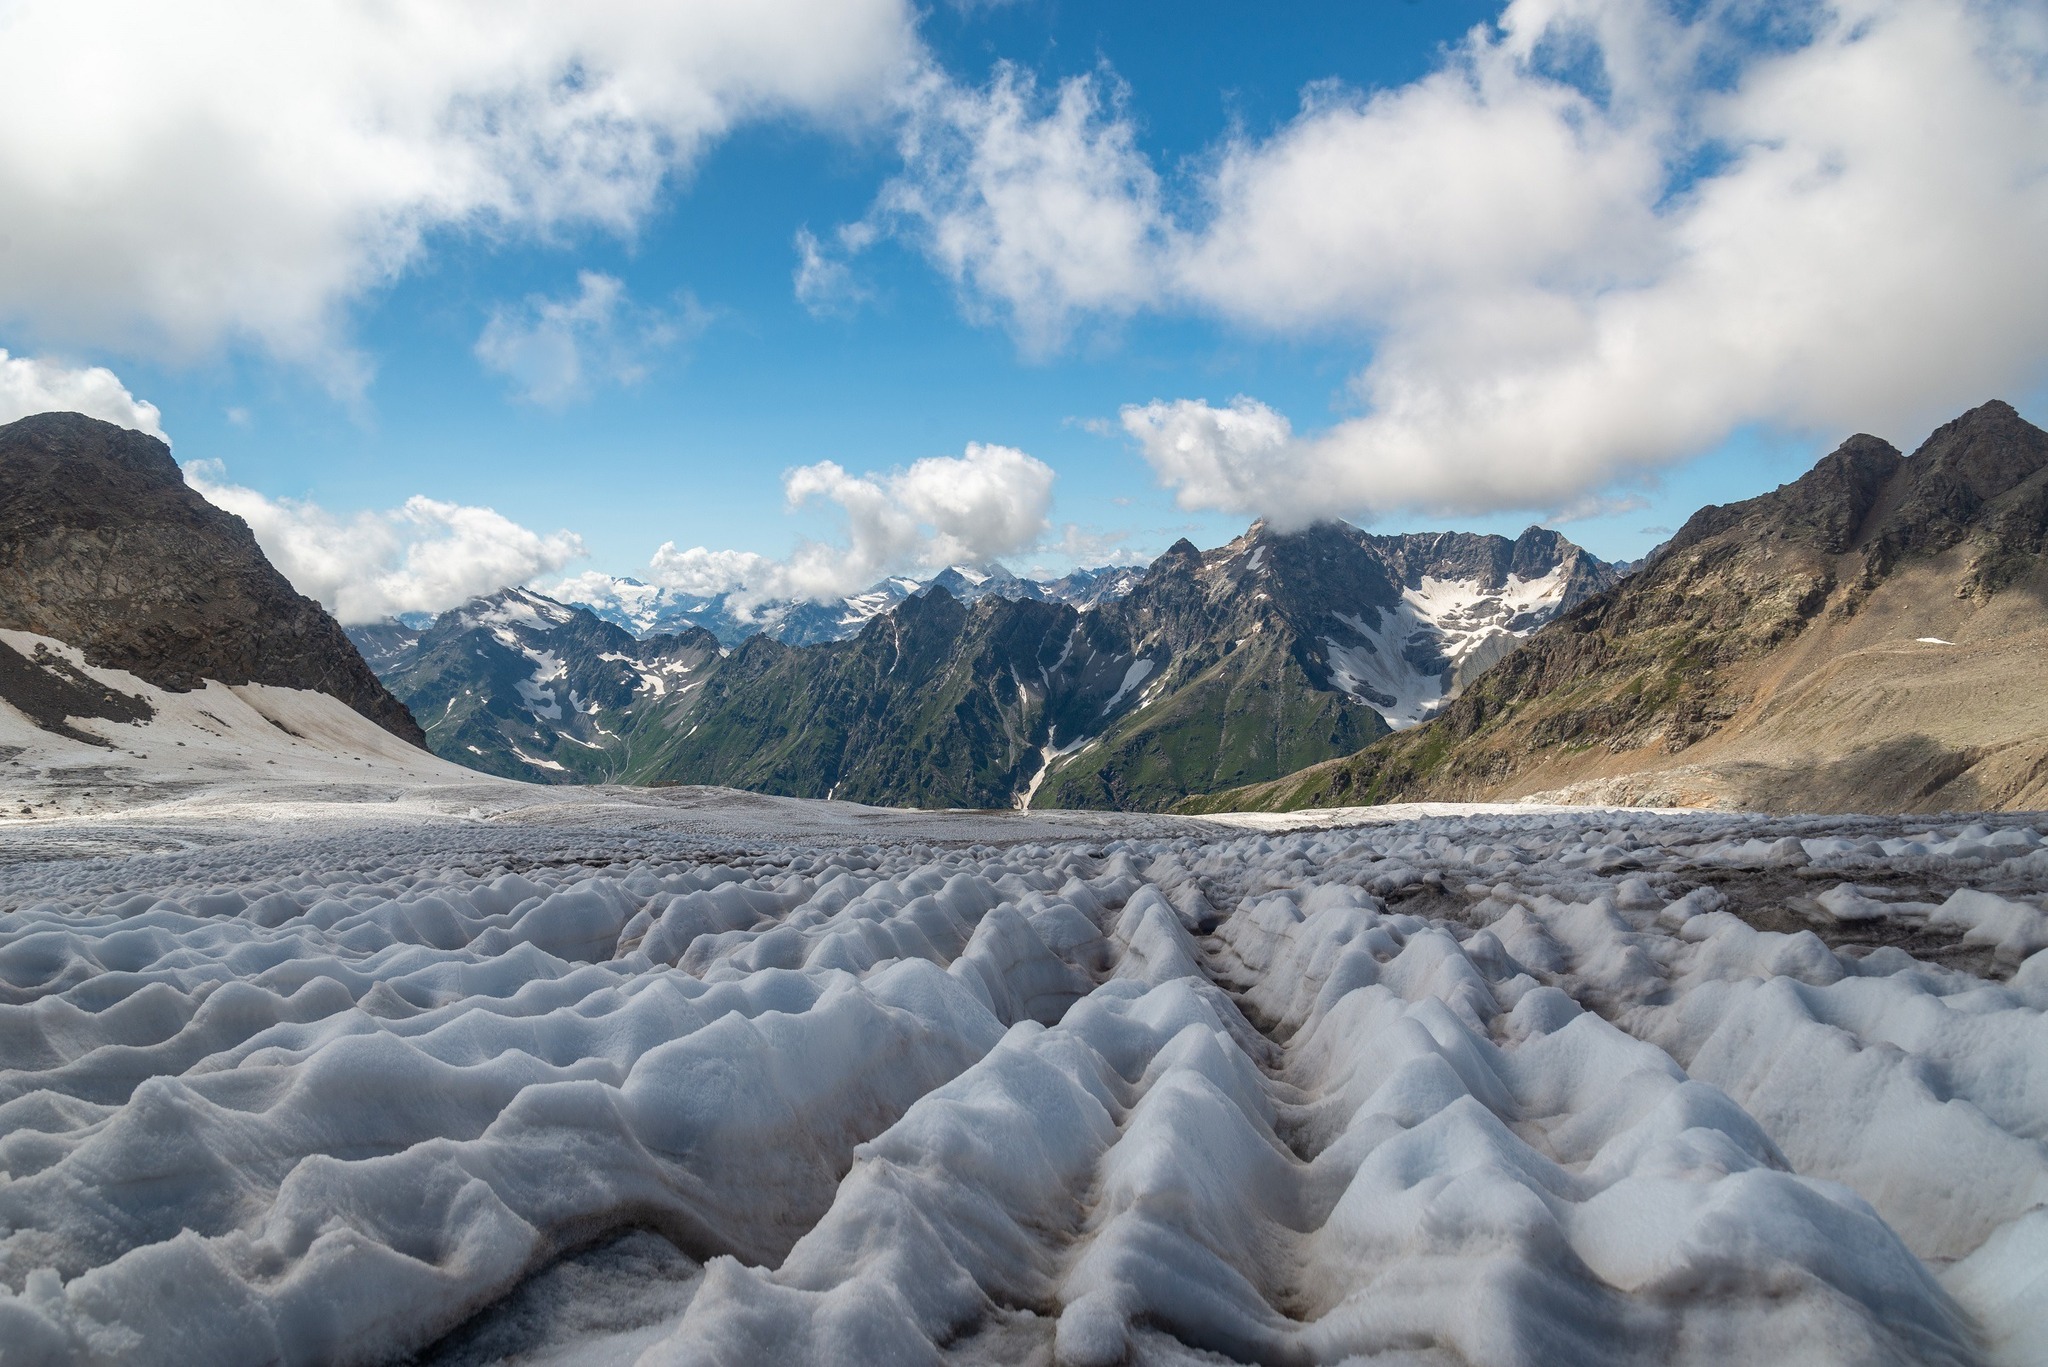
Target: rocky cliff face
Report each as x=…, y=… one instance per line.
x=1785, y=624
x=104, y=546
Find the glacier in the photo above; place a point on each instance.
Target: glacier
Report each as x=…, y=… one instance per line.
x=697, y=1078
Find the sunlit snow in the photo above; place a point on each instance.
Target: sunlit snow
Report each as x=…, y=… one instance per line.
x=1457, y=625
x=1139, y=671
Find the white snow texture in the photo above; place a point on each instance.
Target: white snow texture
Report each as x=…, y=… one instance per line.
x=1485, y=1088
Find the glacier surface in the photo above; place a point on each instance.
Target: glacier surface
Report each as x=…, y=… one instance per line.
x=688, y=1085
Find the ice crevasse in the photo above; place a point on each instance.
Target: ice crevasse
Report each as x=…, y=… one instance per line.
x=1465, y=1091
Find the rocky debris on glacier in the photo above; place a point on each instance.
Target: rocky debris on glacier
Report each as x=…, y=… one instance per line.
x=1493, y=1087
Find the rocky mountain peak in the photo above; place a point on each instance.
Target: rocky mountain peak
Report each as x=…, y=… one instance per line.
x=1989, y=451
x=105, y=547
x=1825, y=509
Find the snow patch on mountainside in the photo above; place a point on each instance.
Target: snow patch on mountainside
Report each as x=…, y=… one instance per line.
x=1414, y=659
x=1139, y=670
x=205, y=736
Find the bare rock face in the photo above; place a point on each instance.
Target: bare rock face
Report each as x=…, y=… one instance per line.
x=105, y=547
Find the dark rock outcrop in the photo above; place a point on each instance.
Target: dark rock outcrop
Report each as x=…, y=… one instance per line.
x=50, y=691
x=105, y=547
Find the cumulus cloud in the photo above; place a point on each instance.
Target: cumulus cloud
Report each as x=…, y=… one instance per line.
x=704, y=573
x=1039, y=207
x=29, y=385
x=554, y=349
x=293, y=156
x=425, y=556
x=1086, y=548
x=1602, y=237
x=989, y=502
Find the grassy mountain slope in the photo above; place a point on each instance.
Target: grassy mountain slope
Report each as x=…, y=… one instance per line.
x=1235, y=689
x=924, y=708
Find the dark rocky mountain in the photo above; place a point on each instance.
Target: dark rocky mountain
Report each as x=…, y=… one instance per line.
x=1276, y=646
x=936, y=704
x=519, y=685
x=52, y=692
x=1211, y=669
x=1871, y=636
x=104, y=547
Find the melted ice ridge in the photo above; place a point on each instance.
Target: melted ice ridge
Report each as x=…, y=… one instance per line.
x=1281, y=1097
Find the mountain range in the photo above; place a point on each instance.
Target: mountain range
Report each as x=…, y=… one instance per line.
x=1870, y=637
x=1118, y=688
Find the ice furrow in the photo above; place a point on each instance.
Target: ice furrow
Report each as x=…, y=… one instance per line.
x=1460, y=1191
x=1493, y=1089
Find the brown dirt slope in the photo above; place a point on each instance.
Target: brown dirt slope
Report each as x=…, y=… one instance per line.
x=1770, y=656
x=103, y=546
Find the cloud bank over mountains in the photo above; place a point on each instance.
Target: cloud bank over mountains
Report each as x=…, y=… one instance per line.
x=425, y=556
x=989, y=502
x=30, y=385
x=1598, y=240
x=429, y=555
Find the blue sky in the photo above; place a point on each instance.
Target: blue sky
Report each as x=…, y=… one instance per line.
x=1535, y=217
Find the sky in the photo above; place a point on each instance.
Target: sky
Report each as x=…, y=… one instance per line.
x=780, y=296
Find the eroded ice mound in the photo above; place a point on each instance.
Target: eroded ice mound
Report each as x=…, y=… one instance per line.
x=1491, y=1089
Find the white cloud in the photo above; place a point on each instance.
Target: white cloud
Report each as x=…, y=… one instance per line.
x=1044, y=210
x=424, y=556
x=824, y=283
x=1590, y=506
x=553, y=349
x=176, y=176
x=703, y=573
x=989, y=502
x=1600, y=239
x=29, y=385
x=1233, y=458
x=597, y=589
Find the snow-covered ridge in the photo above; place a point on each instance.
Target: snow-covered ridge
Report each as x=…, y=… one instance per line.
x=646, y=609
x=1302, y=1097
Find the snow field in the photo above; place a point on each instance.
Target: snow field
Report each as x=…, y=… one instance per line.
x=1495, y=1088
